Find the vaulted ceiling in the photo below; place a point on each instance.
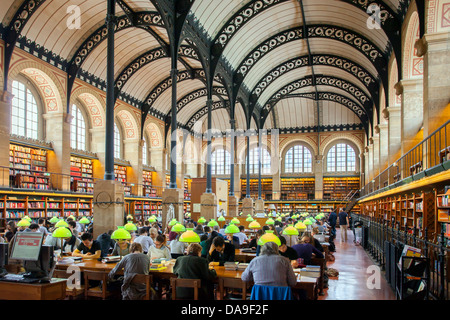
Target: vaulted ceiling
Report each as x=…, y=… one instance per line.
x=269, y=63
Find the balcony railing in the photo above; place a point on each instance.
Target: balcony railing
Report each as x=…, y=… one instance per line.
x=427, y=158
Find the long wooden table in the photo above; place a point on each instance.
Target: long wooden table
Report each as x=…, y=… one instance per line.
x=310, y=285
x=54, y=290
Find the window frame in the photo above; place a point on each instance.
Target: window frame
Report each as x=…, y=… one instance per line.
x=86, y=127
x=349, y=146
x=227, y=164
x=302, y=170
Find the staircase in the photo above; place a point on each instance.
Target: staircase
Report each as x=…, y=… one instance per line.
x=351, y=199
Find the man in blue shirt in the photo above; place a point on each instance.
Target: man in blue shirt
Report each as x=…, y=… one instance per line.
x=332, y=222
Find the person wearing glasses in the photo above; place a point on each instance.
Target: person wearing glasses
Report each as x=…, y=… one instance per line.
x=159, y=250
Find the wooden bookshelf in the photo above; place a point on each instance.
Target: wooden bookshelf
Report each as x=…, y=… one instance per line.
x=81, y=175
x=28, y=167
x=141, y=209
x=187, y=189
x=411, y=211
x=297, y=188
x=443, y=213
x=147, y=182
x=266, y=188
x=120, y=173
x=339, y=187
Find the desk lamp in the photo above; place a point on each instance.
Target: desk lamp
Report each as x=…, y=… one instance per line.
x=84, y=220
x=235, y=221
x=270, y=221
x=249, y=219
x=269, y=236
x=152, y=219
x=290, y=231
x=130, y=227
x=189, y=236
x=23, y=223
x=212, y=223
x=202, y=220
x=121, y=234
x=54, y=220
x=173, y=222
x=61, y=223
x=178, y=228
x=231, y=229
x=62, y=233
x=254, y=225
x=300, y=226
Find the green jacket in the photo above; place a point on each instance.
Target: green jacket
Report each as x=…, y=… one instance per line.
x=191, y=267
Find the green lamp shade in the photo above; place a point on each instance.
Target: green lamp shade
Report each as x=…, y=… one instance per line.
x=129, y=217
x=290, y=231
x=213, y=223
x=300, y=226
x=62, y=232
x=71, y=217
x=279, y=219
x=231, y=229
x=270, y=221
x=201, y=220
x=308, y=222
x=61, y=223
x=84, y=220
x=27, y=218
x=130, y=227
x=121, y=234
x=235, y=221
x=269, y=236
x=23, y=223
x=249, y=219
x=54, y=220
x=254, y=225
x=178, y=228
x=221, y=218
x=173, y=222
x=152, y=219
x=190, y=236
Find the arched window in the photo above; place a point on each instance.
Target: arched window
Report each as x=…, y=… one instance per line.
x=254, y=159
x=220, y=162
x=341, y=158
x=24, y=112
x=77, y=129
x=117, y=142
x=144, y=153
x=298, y=159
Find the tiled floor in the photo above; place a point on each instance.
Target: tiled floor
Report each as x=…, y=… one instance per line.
x=352, y=263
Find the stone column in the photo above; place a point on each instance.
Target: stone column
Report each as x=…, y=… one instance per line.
x=370, y=162
x=376, y=152
x=5, y=130
x=435, y=50
x=362, y=169
x=172, y=198
x=384, y=146
x=318, y=177
x=411, y=92
x=98, y=147
x=394, y=133
x=133, y=153
x=58, y=133
x=109, y=206
x=366, y=165
x=247, y=206
x=233, y=206
x=276, y=180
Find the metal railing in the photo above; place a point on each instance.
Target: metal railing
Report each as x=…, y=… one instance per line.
x=426, y=158
x=380, y=232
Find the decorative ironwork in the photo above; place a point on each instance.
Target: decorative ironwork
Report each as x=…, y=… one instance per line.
x=204, y=111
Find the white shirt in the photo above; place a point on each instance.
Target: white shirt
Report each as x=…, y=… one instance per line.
x=145, y=241
x=242, y=237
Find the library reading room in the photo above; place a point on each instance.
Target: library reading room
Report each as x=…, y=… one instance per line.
x=224, y=150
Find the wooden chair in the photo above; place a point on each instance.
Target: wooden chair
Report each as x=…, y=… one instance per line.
x=99, y=291
x=70, y=293
x=232, y=283
x=185, y=283
x=146, y=279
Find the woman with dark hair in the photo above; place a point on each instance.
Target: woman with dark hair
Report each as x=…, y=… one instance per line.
x=193, y=266
x=159, y=249
x=10, y=230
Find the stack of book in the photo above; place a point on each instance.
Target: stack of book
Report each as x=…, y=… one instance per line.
x=310, y=271
x=231, y=265
x=242, y=266
x=111, y=259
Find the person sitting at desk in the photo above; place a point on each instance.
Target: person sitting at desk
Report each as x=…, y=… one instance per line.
x=145, y=241
x=177, y=247
x=159, y=249
x=134, y=263
x=121, y=248
x=70, y=244
x=287, y=251
x=305, y=251
x=88, y=248
x=270, y=269
x=241, y=235
x=193, y=266
x=221, y=251
x=106, y=243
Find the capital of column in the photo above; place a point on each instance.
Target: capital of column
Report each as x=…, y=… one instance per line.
x=6, y=96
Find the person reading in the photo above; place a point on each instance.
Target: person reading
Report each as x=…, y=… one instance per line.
x=88, y=248
x=220, y=252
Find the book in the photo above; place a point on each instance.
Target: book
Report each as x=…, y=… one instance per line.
x=231, y=265
x=409, y=251
x=111, y=259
